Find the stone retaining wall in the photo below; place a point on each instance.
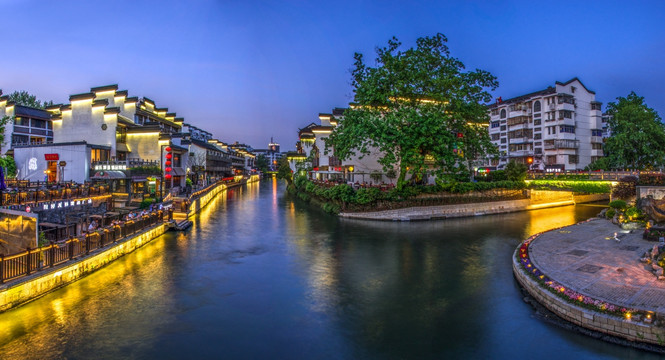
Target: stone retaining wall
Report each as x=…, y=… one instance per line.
x=589, y=319
x=539, y=199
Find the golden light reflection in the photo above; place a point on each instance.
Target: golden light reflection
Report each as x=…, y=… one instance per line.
x=548, y=219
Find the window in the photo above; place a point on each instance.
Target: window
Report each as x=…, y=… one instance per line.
x=99, y=155
x=538, y=136
x=536, y=122
x=573, y=159
x=551, y=130
x=495, y=137
x=503, y=140
x=177, y=160
x=495, y=124
x=567, y=129
x=538, y=129
x=596, y=132
x=597, y=146
x=536, y=106
x=21, y=121
x=538, y=151
x=565, y=114
x=503, y=127
x=503, y=113
x=38, y=123
x=595, y=105
x=495, y=112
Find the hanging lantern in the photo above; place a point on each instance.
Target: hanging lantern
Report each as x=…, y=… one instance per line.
x=168, y=169
x=168, y=149
x=168, y=163
x=167, y=176
x=169, y=156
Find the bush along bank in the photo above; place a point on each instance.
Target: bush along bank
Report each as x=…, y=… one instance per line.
x=334, y=197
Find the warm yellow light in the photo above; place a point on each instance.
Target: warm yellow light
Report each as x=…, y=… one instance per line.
x=81, y=102
x=628, y=316
x=105, y=93
x=351, y=168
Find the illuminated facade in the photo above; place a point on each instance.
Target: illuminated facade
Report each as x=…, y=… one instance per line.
x=28, y=125
x=559, y=128
x=311, y=153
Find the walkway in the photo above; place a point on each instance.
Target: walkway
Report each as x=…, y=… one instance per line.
x=586, y=258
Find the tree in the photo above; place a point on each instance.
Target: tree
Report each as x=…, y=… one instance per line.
x=261, y=163
x=515, y=171
x=638, y=135
x=415, y=105
x=26, y=99
x=284, y=170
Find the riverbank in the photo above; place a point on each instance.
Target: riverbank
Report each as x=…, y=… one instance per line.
x=587, y=277
x=25, y=289
x=537, y=199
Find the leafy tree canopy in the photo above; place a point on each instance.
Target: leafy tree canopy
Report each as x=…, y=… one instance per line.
x=638, y=135
x=26, y=99
x=284, y=170
x=416, y=110
x=261, y=163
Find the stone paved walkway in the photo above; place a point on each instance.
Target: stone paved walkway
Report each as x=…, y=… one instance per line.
x=586, y=258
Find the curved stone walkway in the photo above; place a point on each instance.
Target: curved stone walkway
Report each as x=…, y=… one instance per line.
x=586, y=258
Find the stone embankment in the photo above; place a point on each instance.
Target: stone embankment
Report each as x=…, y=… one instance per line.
x=590, y=275
x=538, y=199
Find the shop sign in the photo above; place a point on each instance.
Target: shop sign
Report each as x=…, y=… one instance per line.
x=65, y=203
x=51, y=157
x=101, y=167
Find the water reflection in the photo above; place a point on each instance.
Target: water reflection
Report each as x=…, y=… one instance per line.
x=261, y=276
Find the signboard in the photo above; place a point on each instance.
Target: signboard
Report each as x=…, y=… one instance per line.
x=62, y=163
x=100, y=167
x=51, y=157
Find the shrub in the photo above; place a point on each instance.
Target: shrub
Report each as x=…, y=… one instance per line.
x=498, y=175
x=618, y=204
x=610, y=213
x=625, y=188
x=633, y=213
x=146, y=203
x=657, y=179
x=588, y=187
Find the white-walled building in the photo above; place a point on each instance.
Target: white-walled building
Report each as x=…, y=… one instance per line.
x=27, y=125
x=558, y=128
x=311, y=145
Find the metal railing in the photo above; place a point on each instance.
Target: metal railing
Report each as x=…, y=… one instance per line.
x=34, y=260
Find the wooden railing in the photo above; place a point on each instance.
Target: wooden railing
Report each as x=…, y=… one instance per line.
x=18, y=194
x=33, y=260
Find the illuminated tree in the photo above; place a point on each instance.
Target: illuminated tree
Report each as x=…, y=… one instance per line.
x=417, y=109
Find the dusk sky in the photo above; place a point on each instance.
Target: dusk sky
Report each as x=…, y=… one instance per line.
x=249, y=70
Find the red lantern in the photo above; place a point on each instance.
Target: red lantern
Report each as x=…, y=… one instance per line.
x=169, y=156
x=167, y=176
x=168, y=169
x=168, y=163
x=168, y=149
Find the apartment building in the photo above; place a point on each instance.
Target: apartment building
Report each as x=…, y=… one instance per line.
x=555, y=129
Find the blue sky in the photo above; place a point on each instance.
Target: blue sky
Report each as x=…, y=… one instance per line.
x=249, y=70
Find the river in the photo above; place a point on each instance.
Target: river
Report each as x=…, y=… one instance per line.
x=260, y=276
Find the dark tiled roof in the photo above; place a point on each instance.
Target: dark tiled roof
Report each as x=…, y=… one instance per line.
x=104, y=88
x=21, y=110
x=83, y=96
x=573, y=79
x=550, y=90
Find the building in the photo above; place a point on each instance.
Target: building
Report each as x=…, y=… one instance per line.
x=324, y=165
x=271, y=154
x=555, y=129
x=127, y=141
x=28, y=126
x=208, y=162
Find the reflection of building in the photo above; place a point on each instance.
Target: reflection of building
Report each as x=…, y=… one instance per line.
x=29, y=125
x=559, y=128
x=311, y=154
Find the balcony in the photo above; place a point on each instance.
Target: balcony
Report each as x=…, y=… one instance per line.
x=561, y=144
x=596, y=139
x=521, y=140
x=519, y=112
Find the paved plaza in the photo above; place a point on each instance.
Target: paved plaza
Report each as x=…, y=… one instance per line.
x=586, y=258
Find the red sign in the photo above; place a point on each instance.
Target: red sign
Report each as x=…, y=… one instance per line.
x=51, y=157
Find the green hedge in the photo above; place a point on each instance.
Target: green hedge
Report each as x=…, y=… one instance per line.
x=588, y=187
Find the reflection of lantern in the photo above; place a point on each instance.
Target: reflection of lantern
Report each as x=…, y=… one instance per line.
x=169, y=156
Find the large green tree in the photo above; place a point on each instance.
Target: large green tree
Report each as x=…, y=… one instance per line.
x=638, y=135
x=417, y=109
x=261, y=163
x=26, y=99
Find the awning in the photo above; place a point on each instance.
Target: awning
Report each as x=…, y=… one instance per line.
x=178, y=171
x=139, y=179
x=109, y=174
